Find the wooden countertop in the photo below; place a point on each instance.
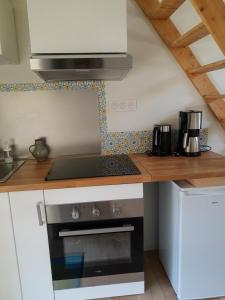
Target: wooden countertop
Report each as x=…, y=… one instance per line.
x=209, y=164
x=32, y=174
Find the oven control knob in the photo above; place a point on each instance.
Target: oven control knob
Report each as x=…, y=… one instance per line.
x=96, y=212
x=116, y=211
x=75, y=214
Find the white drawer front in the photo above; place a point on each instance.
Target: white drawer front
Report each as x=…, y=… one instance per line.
x=105, y=291
x=93, y=194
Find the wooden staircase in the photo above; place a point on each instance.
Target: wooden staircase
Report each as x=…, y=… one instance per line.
x=212, y=13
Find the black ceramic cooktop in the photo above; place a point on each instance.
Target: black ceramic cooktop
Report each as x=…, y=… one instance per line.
x=97, y=166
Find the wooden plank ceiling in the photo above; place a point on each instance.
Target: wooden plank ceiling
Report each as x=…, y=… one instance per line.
x=212, y=13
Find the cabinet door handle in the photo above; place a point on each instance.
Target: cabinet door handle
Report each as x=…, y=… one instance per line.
x=40, y=212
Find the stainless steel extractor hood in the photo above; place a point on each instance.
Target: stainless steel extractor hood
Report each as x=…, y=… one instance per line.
x=81, y=67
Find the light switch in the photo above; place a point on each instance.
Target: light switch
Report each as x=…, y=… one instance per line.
x=123, y=105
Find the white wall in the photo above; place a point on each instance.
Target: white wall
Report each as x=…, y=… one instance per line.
x=68, y=119
x=158, y=83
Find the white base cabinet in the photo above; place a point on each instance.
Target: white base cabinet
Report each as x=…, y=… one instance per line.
x=9, y=274
x=192, y=239
x=32, y=245
x=29, y=274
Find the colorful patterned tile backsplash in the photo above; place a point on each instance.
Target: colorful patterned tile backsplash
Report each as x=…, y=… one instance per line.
x=112, y=142
x=134, y=142
x=126, y=142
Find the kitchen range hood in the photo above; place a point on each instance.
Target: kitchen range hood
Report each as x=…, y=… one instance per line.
x=81, y=67
x=82, y=40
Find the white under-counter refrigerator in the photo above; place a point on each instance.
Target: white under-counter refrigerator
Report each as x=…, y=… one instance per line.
x=192, y=239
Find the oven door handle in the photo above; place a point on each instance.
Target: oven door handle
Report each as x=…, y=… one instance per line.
x=96, y=231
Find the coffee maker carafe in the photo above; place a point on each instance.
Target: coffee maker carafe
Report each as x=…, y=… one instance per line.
x=189, y=133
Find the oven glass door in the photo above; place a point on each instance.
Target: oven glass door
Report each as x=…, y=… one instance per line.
x=100, y=248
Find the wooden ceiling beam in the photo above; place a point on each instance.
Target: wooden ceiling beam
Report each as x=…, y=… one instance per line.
x=208, y=68
x=218, y=108
x=185, y=57
x=160, y=9
x=212, y=13
x=214, y=97
x=196, y=33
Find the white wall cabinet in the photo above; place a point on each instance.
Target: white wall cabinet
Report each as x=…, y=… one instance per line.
x=78, y=26
x=32, y=245
x=8, y=41
x=9, y=274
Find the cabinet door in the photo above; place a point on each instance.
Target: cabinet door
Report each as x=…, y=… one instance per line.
x=9, y=282
x=78, y=26
x=8, y=41
x=32, y=245
x=202, y=256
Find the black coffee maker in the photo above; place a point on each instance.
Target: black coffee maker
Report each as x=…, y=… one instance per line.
x=161, y=144
x=189, y=133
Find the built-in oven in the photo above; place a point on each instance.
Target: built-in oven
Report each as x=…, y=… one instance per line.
x=93, y=244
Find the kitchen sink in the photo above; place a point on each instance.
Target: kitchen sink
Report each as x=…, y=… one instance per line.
x=6, y=170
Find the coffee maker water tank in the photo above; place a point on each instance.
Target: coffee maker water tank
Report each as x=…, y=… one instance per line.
x=194, y=120
x=161, y=145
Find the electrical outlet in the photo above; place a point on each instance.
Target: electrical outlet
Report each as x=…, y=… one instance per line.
x=123, y=106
